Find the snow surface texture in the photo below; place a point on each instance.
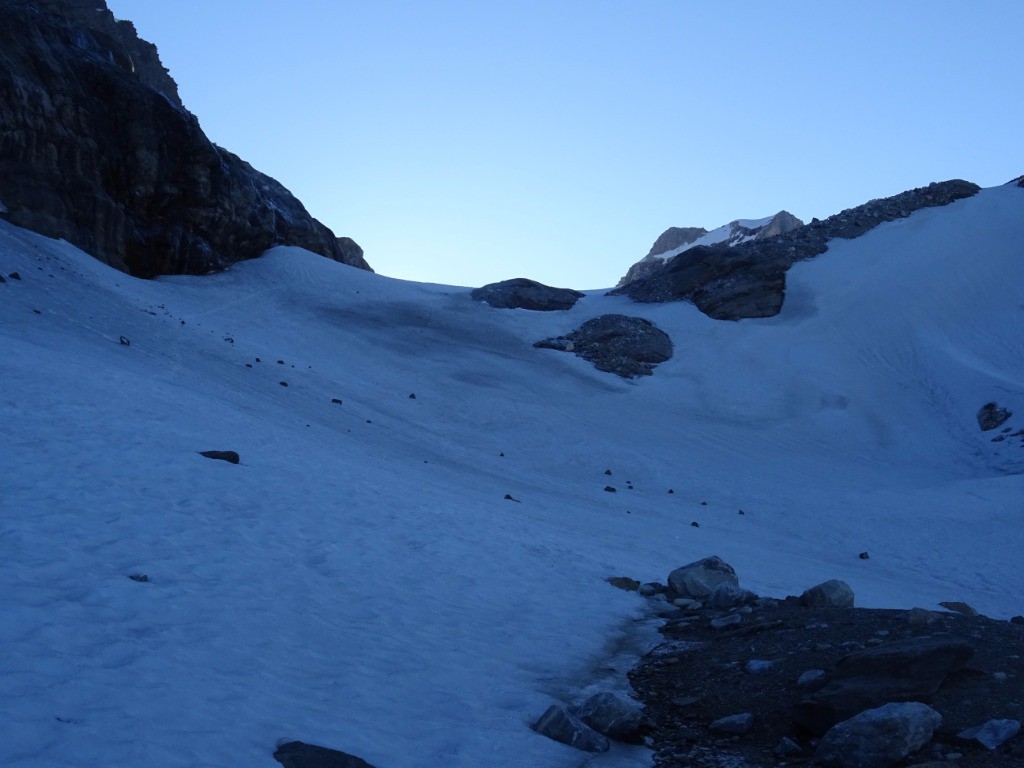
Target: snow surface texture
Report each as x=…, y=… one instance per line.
x=359, y=581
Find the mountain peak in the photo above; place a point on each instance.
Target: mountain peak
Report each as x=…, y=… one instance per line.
x=675, y=240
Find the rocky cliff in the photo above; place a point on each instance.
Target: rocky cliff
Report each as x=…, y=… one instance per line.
x=675, y=240
x=97, y=148
x=749, y=280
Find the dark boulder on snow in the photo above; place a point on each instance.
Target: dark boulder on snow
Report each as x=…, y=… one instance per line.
x=833, y=592
x=700, y=579
x=615, y=716
x=520, y=293
x=229, y=456
x=749, y=279
x=296, y=754
x=625, y=346
x=991, y=416
x=97, y=148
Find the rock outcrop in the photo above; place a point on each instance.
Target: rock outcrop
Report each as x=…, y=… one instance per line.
x=97, y=148
x=521, y=293
x=626, y=346
x=749, y=279
x=675, y=240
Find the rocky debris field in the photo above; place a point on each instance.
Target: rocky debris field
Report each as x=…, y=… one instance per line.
x=742, y=680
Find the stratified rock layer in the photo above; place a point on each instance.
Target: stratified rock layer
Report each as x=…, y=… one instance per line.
x=97, y=148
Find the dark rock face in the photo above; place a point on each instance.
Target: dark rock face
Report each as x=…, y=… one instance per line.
x=296, y=754
x=905, y=670
x=520, y=293
x=626, y=346
x=992, y=416
x=733, y=233
x=97, y=148
x=749, y=280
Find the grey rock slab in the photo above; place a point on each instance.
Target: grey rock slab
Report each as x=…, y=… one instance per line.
x=296, y=754
x=878, y=738
x=959, y=607
x=811, y=679
x=734, y=724
x=521, y=293
x=757, y=666
x=899, y=671
x=832, y=593
x=615, y=716
x=559, y=724
x=992, y=734
x=700, y=579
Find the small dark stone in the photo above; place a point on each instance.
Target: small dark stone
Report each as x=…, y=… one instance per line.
x=992, y=416
x=864, y=556
x=3, y=279
x=695, y=524
x=509, y=497
x=37, y=311
x=140, y=577
x=703, y=503
x=501, y=455
x=295, y=754
x=14, y=276
x=229, y=456
x=670, y=490
x=258, y=360
x=412, y=396
x=125, y=342
x=283, y=383
x=248, y=365
x=609, y=489
x=336, y=400
x=624, y=583
x=280, y=362
x=742, y=512
x=607, y=471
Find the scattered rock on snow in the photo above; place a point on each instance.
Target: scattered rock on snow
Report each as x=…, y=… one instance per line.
x=832, y=592
x=521, y=293
x=229, y=456
x=991, y=416
x=992, y=734
x=614, y=716
x=296, y=754
x=559, y=724
x=140, y=577
x=878, y=738
x=699, y=579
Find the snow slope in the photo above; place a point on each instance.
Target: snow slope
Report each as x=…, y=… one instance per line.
x=359, y=581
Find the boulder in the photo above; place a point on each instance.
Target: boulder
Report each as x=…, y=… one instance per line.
x=520, y=293
x=700, y=579
x=97, y=148
x=903, y=670
x=992, y=416
x=228, y=456
x=561, y=725
x=733, y=724
x=614, y=716
x=729, y=596
x=626, y=346
x=296, y=754
x=832, y=593
x=992, y=734
x=878, y=738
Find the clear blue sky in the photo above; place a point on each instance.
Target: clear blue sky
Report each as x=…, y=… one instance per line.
x=468, y=142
